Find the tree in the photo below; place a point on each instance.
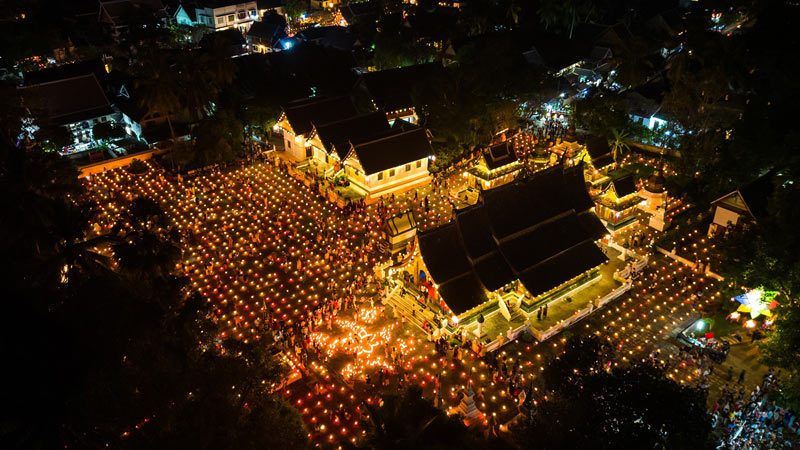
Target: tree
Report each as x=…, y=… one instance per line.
x=217, y=139
x=260, y=118
x=602, y=112
x=618, y=143
x=109, y=361
x=632, y=406
x=563, y=15
x=409, y=421
x=107, y=131
x=159, y=87
x=54, y=137
x=295, y=8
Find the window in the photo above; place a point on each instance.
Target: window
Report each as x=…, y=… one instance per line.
x=309, y=152
x=380, y=176
x=419, y=164
x=230, y=18
x=408, y=167
x=220, y=20
x=253, y=12
x=391, y=173
x=241, y=15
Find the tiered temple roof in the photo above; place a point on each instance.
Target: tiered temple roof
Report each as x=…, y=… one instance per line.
x=393, y=149
x=540, y=231
x=303, y=114
x=599, y=152
x=339, y=135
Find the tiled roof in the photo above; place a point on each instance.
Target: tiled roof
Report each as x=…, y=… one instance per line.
x=393, y=150
x=303, y=114
x=499, y=155
x=539, y=230
x=338, y=135
x=72, y=99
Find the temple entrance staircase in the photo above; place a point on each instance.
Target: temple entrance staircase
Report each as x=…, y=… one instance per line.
x=407, y=305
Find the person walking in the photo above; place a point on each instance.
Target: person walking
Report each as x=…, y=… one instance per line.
x=544, y=314
x=741, y=376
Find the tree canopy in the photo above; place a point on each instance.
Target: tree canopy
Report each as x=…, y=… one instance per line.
x=593, y=407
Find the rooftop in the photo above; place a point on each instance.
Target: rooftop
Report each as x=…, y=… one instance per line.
x=599, y=151
x=391, y=89
x=392, y=150
x=540, y=230
x=338, y=135
x=71, y=100
x=303, y=114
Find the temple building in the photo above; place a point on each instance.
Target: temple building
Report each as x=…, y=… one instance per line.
x=498, y=165
x=617, y=203
x=390, y=90
x=525, y=244
x=299, y=117
x=389, y=163
x=331, y=142
x=327, y=137
x=600, y=159
x=744, y=205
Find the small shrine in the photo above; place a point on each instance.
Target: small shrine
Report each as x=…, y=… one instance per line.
x=617, y=203
x=498, y=165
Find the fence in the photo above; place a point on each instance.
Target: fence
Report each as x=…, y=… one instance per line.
x=686, y=262
x=115, y=163
x=543, y=335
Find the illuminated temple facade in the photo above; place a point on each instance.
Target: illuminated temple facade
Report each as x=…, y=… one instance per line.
x=523, y=245
x=616, y=204
x=376, y=158
x=497, y=165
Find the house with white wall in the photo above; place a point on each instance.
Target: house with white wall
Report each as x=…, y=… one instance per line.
x=217, y=15
x=391, y=163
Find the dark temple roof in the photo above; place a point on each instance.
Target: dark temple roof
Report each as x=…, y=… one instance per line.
x=599, y=151
x=499, y=155
x=339, y=135
x=623, y=186
x=303, y=114
x=393, y=150
x=71, y=100
x=391, y=89
x=540, y=230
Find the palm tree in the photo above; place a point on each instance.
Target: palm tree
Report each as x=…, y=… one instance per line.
x=618, y=143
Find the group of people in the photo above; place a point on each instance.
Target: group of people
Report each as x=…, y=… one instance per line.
x=755, y=421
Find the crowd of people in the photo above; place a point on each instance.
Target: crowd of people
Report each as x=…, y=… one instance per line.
x=754, y=420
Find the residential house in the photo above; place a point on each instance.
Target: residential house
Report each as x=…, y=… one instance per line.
x=268, y=6
x=354, y=13
x=218, y=15
x=331, y=36
x=264, y=37
x=186, y=14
